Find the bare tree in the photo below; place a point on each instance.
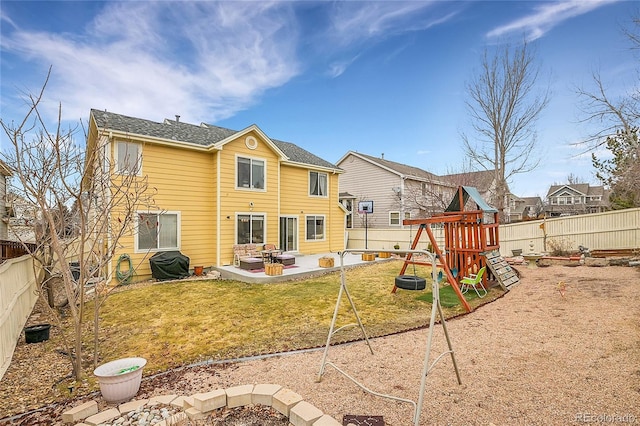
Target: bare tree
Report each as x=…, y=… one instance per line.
x=614, y=116
x=504, y=105
x=82, y=210
x=423, y=198
x=618, y=120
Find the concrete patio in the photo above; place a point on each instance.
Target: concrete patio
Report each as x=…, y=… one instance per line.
x=305, y=266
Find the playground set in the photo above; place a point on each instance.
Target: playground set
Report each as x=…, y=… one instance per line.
x=470, y=253
x=469, y=237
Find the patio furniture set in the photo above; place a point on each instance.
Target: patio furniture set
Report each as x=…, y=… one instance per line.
x=248, y=257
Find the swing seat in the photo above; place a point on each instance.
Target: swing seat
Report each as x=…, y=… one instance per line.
x=474, y=281
x=411, y=282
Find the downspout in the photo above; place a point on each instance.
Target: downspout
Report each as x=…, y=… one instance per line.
x=218, y=209
x=402, y=206
x=330, y=208
x=279, y=204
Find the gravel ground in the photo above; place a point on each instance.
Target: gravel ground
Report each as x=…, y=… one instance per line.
x=533, y=357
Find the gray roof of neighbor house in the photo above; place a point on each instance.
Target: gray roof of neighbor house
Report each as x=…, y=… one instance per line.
x=204, y=134
x=583, y=188
x=399, y=168
x=481, y=180
x=531, y=201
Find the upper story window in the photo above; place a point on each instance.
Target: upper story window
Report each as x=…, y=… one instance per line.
x=250, y=173
x=158, y=231
x=318, y=184
x=128, y=158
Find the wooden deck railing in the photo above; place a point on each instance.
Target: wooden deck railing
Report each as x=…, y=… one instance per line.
x=13, y=249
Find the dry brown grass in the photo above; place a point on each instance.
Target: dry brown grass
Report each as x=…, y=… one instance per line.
x=185, y=322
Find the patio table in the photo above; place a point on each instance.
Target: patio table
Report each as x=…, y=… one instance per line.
x=269, y=256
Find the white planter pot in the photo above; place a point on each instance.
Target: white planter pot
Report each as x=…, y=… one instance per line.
x=120, y=379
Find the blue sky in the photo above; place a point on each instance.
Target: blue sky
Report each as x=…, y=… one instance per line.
x=374, y=77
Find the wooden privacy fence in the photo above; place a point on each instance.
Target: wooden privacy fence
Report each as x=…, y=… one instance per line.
x=13, y=249
x=18, y=295
x=618, y=229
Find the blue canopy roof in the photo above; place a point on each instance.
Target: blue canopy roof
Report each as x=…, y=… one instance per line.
x=469, y=191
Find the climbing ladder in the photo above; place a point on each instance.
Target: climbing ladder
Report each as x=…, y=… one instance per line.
x=504, y=273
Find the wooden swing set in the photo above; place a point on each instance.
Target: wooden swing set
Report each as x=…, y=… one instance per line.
x=468, y=236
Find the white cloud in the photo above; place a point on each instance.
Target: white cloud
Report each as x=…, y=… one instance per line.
x=204, y=61
x=355, y=22
x=546, y=16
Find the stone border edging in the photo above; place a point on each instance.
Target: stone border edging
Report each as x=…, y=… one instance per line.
x=200, y=405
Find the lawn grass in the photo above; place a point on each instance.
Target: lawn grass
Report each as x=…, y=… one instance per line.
x=448, y=297
x=178, y=323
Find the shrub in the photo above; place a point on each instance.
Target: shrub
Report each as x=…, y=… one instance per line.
x=559, y=246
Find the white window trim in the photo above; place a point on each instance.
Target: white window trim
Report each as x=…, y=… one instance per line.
x=324, y=231
x=115, y=156
x=250, y=188
x=250, y=213
x=309, y=184
x=178, y=214
x=399, y=219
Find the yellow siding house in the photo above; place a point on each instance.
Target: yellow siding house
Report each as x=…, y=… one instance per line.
x=217, y=187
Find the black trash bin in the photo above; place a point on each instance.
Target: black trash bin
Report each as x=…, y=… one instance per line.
x=169, y=265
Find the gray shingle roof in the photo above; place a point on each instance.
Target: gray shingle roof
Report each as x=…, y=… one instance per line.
x=583, y=188
x=481, y=180
x=204, y=134
x=400, y=168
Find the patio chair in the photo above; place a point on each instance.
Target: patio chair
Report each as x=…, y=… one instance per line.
x=474, y=281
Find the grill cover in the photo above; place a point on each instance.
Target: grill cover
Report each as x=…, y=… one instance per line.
x=169, y=265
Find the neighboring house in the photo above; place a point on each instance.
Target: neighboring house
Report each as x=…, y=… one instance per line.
x=4, y=201
x=574, y=199
x=22, y=220
x=218, y=187
x=397, y=191
x=483, y=181
x=349, y=203
x=524, y=208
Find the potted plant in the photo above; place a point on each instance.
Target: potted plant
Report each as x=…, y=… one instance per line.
x=120, y=379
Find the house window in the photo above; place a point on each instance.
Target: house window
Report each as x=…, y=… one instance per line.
x=318, y=184
x=348, y=205
x=250, y=173
x=315, y=228
x=128, y=158
x=394, y=218
x=250, y=229
x=158, y=231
